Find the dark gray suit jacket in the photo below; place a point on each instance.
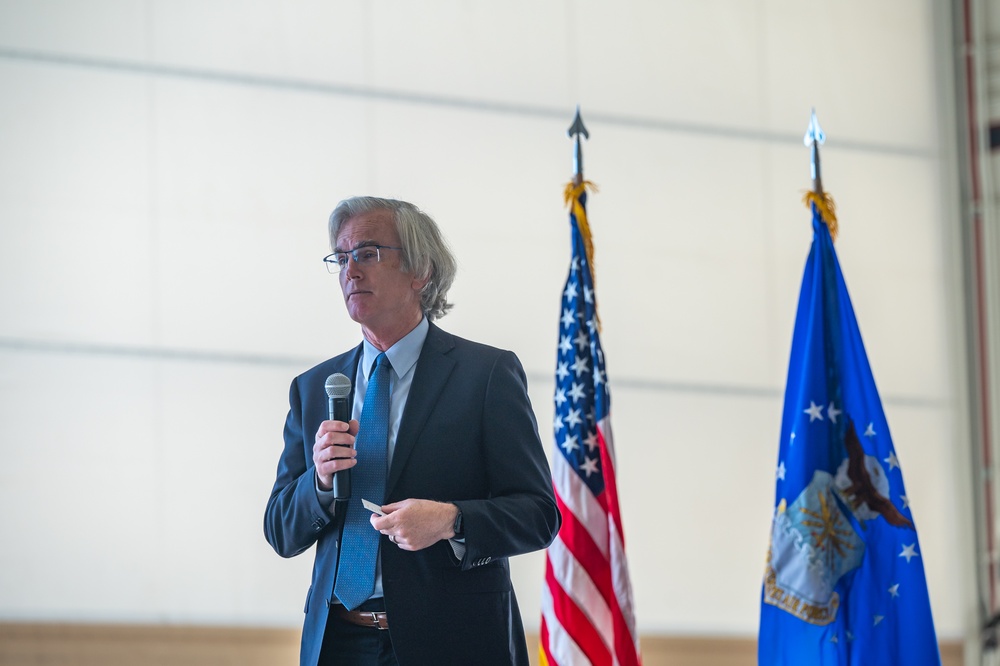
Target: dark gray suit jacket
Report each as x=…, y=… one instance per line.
x=468, y=436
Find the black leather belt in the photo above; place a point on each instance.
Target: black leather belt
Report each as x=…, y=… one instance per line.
x=373, y=619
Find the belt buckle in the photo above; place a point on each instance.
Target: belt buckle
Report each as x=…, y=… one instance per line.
x=375, y=622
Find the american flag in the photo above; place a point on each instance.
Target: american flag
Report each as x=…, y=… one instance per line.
x=587, y=610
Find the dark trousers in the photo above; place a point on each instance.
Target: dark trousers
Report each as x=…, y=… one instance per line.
x=346, y=644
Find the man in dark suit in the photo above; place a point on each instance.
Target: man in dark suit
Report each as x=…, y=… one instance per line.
x=467, y=483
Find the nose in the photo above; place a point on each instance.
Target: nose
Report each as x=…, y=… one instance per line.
x=351, y=269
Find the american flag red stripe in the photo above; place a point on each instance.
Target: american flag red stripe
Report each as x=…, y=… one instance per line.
x=585, y=551
x=576, y=623
x=545, y=654
x=587, y=608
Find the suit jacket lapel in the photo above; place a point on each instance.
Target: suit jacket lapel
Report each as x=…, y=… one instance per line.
x=430, y=375
x=349, y=367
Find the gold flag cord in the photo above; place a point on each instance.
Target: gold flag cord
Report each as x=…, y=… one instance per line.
x=826, y=207
x=572, y=196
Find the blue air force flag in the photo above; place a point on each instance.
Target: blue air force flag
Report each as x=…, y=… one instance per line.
x=844, y=582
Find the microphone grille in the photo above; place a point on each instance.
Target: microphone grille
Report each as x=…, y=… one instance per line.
x=338, y=385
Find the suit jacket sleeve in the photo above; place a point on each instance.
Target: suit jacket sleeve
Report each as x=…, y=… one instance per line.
x=520, y=514
x=294, y=518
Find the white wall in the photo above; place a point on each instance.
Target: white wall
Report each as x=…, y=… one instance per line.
x=166, y=170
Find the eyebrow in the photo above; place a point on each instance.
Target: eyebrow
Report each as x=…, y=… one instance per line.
x=364, y=243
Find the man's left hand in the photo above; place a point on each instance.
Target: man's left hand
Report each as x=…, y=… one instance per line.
x=415, y=524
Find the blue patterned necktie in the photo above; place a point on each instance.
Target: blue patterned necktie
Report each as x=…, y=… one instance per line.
x=360, y=541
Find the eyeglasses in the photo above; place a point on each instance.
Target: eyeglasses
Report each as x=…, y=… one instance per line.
x=363, y=256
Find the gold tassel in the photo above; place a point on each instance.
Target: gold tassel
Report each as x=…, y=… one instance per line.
x=826, y=207
x=572, y=194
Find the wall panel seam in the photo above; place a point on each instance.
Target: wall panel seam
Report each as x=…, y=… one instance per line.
x=445, y=101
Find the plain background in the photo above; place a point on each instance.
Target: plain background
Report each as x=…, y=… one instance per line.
x=166, y=172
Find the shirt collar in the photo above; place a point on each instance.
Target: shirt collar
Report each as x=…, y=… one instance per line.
x=403, y=355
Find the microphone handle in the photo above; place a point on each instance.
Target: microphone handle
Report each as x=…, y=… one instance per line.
x=339, y=411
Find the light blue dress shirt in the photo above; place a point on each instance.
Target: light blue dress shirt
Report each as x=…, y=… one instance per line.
x=403, y=357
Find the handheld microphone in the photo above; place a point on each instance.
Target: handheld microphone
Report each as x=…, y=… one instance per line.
x=338, y=387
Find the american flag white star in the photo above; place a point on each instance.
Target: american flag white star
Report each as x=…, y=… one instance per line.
x=560, y=397
x=564, y=344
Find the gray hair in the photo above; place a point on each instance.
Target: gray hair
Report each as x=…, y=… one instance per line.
x=425, y=252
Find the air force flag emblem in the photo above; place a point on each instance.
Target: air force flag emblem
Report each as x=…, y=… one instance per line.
x=814, y=542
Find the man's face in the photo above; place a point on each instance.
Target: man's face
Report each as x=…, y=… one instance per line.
x=379, y=296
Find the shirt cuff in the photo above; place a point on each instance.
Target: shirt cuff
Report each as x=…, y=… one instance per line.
x=325, y=497
x=457, y=547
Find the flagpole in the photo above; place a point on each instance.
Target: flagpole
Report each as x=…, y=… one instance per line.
x=813, y=139
x=576, y=195
x=574, y=132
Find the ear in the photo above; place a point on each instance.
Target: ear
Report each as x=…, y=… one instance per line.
x=419, y=283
